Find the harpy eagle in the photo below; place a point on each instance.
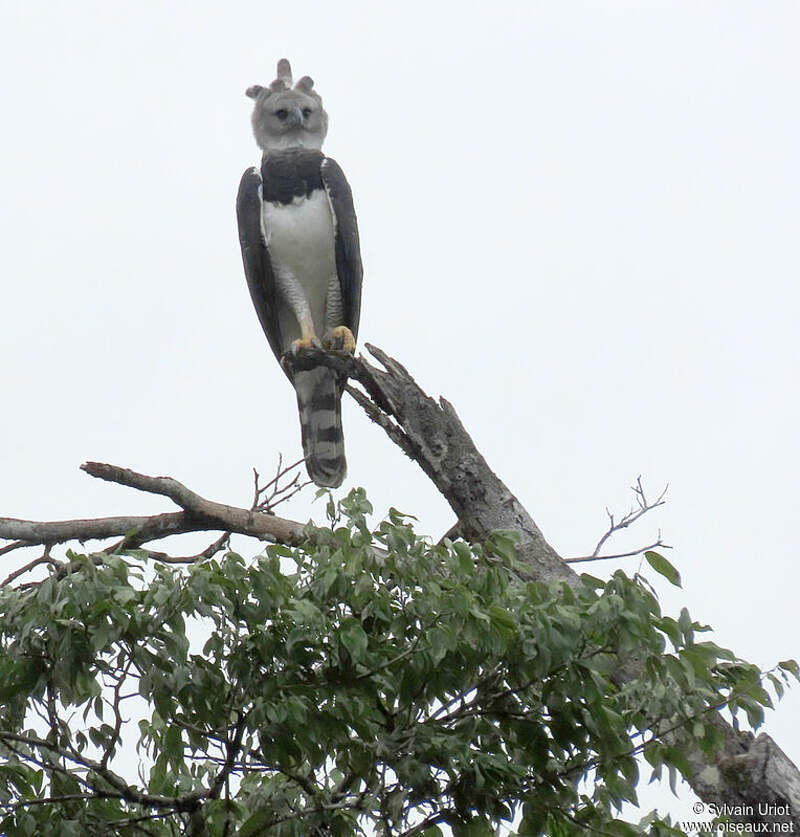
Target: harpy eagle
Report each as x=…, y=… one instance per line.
x=299, y=239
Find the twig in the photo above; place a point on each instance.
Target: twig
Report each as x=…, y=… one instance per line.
x=441, y=816
x=232, y=748
x=133, y=820
x=266, y=502
x=44, y=558
x=10, y=547
x=118, y=720
x=626, y=520
x=658, y=544
x=209, y=552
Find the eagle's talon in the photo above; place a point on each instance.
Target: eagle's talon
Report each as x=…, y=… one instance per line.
x=339, y=339
x=305, y=343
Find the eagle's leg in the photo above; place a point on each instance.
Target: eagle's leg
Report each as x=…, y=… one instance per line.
x=337, y=337
x=292, y=292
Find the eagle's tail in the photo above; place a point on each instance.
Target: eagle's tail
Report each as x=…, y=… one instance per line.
x=319, y=400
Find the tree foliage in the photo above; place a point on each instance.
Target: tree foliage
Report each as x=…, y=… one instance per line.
x=365, y=680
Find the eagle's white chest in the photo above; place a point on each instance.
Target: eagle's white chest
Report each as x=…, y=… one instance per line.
x=300, y=237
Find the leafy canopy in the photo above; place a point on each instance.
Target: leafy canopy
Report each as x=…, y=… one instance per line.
x=366, y=680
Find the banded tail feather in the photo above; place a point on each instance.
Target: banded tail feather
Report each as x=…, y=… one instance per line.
x=319, y=401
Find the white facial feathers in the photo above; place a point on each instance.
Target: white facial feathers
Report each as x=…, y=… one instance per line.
x=286, y=116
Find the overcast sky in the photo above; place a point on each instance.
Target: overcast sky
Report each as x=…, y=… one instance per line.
x=579, y=224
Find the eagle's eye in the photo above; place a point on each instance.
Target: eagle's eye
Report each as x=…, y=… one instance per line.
x=307, y=112
x=282, y=113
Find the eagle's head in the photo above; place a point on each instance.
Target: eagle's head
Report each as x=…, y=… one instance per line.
x=286, y=116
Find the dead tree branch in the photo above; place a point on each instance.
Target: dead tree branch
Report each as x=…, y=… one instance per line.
x=142, y=528
x=272, y=494
x=659, y=544
x=643, y=505
x=44, y=558
x=220, y=544
x=198, y=515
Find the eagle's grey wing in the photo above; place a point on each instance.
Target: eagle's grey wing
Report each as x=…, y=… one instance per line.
x=257, y=265
x=348, y=249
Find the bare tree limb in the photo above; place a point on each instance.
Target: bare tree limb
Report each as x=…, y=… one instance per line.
x=210, y=551
x=228, y=518
x=199, y=515
x=272, y=494
x=147, y=528
x=44, y=558
x=659, y=544
x=10, y=547
x=643, y=506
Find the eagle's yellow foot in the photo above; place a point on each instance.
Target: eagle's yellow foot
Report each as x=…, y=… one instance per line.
x=305, y=343
x=339, y=339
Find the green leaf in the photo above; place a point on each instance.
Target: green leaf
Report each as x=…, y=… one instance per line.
x=776, y=685
x=685, y=624
x=438, y=643
x=663, y=567
x=254, y=824
x=592, y=581
x=398, y=517
x=354, y=638
x=280, y=550
x=465, y=557
x=671, y=629
x=173, y=744
x=500, y=616
x=125, y=595
x=503, y=544
x=621, y=829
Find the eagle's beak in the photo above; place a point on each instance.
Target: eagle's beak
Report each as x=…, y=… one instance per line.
x=295, y=118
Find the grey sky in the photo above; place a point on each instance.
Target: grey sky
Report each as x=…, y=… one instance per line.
x=579, y=224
